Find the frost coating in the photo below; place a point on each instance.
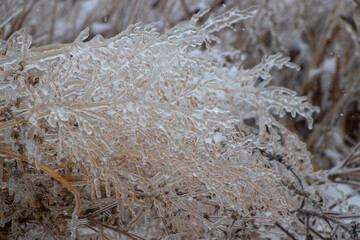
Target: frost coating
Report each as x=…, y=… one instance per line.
x=156, y=105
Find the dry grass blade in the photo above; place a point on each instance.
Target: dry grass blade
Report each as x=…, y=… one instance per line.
x=52, y=173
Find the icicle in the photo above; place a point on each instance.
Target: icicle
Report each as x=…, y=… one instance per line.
x=84, y=34
x=11, y=186
x=195, y=18
x=97, y=188
x=74, y=220
x=107, y=186
x=310, y=123
x=52, y=119
x=147, y=212
x=60, y=144
x=97, y=39
x=87, y=127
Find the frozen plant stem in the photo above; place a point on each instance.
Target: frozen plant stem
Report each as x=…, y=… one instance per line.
x=160, y=134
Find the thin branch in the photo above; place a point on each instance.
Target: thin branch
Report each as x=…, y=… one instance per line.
x=313, y=230
x=357, y=2
x=308, y=235
x=285, y=231
x=326, y=217
x=130, y=235
x=330, y=115
x=47, y=230
x=352, y=156
x=320, y=48
x=348, y=182
x=186, y=9
x=135, y=219
x=103, y=209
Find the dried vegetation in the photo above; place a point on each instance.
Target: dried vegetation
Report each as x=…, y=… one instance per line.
x=192, y=124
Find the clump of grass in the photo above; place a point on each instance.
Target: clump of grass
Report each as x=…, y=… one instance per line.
x=157, y=134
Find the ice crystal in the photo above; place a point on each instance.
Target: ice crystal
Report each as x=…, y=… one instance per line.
x=162, y=123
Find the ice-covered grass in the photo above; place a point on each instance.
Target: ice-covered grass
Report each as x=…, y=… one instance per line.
x=177, y=128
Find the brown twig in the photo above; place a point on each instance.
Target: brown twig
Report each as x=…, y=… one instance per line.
x=186, y=9
x=135, y=220
x=285, y=231
x=330, y=116
x=320, y=47
x=48, y=230
x=130, y=235
x=357, y=2
x=352, y=156
x=326, y=216
x=313, y=230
